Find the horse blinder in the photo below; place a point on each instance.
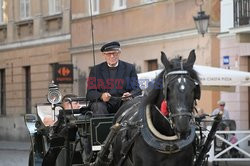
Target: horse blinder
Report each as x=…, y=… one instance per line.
x=197, y=91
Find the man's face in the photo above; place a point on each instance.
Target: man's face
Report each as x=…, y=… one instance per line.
x=112, y=57
x=75, y=105
x=222, y=106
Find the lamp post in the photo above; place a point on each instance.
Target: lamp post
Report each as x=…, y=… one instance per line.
x=201, y=21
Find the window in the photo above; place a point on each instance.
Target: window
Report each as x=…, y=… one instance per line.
x=2, y=92
x=152, y=65
x=119, y=4
x=148, y=1
x=27, y=89
x=54, y=6
x=53, y=71
x=1, y=11
x=24, y=9
x=94, y=6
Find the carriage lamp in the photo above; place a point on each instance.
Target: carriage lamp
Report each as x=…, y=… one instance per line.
x=201, y=21
x=54, y=95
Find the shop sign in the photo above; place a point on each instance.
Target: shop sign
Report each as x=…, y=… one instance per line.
x=63, y=73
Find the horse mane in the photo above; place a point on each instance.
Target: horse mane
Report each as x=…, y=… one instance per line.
x=153, y=92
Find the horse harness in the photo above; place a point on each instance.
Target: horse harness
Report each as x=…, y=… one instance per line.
x=141, y=127
x=144, y=128
x=167, y=80
x=126, y=126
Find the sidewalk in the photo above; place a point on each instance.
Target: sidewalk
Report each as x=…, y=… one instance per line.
x=25, y=146
x=14, y=153
x=232, y=163
x=14, y=145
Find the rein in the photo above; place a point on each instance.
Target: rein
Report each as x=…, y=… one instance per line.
x=181, y=114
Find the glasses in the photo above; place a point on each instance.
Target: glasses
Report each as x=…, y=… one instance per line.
x=114, y=53
x=222, y=105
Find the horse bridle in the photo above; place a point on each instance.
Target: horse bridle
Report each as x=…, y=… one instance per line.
x=166, y=144
x=177, y=73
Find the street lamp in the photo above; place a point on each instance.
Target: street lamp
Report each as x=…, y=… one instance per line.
x=201, y=21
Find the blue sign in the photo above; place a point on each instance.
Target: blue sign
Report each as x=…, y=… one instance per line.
x=226, y=60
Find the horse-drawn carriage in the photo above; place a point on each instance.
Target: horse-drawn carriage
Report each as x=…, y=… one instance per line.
x=137, y=135
x=75, y=138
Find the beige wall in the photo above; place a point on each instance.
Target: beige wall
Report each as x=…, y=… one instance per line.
x=143, y=31
x=135, y=22
x=238, y=102
x=41, y=41
x=39, y=59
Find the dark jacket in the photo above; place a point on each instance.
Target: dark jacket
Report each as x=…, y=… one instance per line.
x=99, y=81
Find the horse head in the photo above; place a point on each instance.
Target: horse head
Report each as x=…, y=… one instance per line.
x=180, y=89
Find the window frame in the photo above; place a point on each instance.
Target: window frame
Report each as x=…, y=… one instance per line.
x=118, y=6
x=91, y=7
x=27, y=91
x=1, y=12
x=25, y=14
x=2, y=92
x=148, y=1
x=54, y=7
x=152, y=64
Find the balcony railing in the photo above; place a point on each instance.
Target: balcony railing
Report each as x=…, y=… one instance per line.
x=241, y=12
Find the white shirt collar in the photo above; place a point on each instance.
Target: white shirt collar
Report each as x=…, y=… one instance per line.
x=114, y=65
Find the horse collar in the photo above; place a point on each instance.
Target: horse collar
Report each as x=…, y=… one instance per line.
x=163, y=144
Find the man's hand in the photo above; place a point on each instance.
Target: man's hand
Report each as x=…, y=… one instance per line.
x=48, y=121
x=105, y=97
x=126, y=96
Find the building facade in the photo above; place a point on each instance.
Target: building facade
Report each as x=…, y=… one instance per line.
x=235, y=46
x=144, y=28
x=34, y=36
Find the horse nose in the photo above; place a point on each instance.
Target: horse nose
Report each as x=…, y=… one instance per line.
x=182, y=124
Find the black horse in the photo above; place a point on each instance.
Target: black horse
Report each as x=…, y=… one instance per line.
x=148, y=138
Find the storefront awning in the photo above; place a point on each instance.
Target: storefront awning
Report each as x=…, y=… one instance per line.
x=212, y=78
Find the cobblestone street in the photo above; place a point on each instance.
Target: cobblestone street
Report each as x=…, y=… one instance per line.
x=14, y=153
x=13, y=158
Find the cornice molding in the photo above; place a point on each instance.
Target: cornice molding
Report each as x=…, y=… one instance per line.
x=30, y=43
x=140, y=40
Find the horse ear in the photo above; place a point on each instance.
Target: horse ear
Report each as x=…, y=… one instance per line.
x=164, y=60
x=191, y=58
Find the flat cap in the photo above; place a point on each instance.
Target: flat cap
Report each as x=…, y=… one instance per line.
x=220, y=102
x=112, y=46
